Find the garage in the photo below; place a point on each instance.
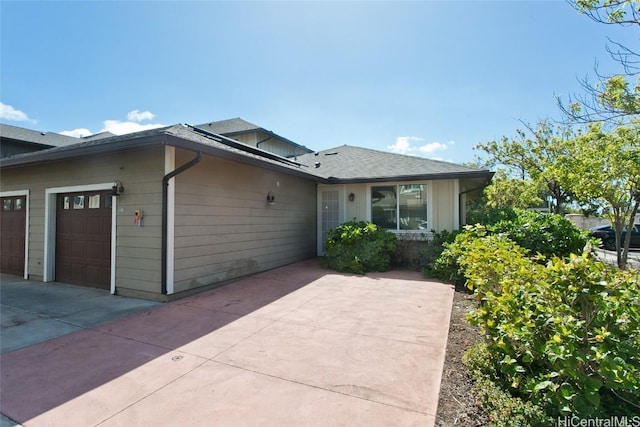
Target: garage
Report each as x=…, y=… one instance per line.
x=13, y=219
x=83, y=238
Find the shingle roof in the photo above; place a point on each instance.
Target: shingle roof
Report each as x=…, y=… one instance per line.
x=183, y=136
x=343, y=164
x=239, y=126
x=226, y=127
x=36, y=137
x=356, y=164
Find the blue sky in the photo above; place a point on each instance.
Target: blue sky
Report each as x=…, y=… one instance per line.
x=426, y=78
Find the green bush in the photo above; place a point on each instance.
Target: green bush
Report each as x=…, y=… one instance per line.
x=503, y=409
x=549, y=235
x=564, y=334
x=359, y=247
x=433, y=249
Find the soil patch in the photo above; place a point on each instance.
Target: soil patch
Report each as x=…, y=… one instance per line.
x=457, y=404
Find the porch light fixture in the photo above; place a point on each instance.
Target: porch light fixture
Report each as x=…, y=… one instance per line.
x=271, y=198
x=117, y=189
x=352, y=197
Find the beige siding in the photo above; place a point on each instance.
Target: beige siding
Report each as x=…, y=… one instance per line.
x=224, y=227
x=268, y=143
x=358, y=208
x=444, y=200
x=138, y=248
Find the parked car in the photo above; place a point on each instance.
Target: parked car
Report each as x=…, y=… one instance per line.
x=607, y=235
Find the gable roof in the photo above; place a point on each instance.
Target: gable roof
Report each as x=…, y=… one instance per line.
x=349, y=164
x=238, y=126
x=230, y=126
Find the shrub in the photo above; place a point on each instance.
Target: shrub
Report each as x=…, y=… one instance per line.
x=446, y=266
x=549, y=235
x=563, y=335
x=433, y=249
x=358, y=247
x=503, y=409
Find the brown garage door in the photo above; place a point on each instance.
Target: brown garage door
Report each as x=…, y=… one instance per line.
x=13, y=219
x=83, y=239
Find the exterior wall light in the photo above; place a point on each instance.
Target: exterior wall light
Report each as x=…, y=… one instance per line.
x=117, y=189
x=271, y=198
x=352, y=197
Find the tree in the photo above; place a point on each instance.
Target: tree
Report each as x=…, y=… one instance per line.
x=604, y=167
x=508, y=192
x=530, y=157
x=613, y=98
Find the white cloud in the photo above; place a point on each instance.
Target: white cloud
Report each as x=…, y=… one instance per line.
x=139, y=116
x=403, y=145
x=411, y=145
x=76, y=133
x=7, y=112
x=432, y=147
x=120, y=128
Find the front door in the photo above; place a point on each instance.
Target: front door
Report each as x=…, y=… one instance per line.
x=329, y=215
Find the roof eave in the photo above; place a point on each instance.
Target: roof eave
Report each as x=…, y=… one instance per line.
x=423, y=177
x=186, y=144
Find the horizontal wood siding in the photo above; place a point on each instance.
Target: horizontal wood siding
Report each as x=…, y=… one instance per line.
x=140, y=171
x=224, y=227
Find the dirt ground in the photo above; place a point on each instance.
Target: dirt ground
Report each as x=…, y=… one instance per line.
x=457, y=406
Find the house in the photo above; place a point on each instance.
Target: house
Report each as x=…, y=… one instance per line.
x=16, y=140
x=163, y=213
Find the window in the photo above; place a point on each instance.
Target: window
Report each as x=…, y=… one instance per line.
x=94, y=201
x=18, y=205
x=6, y=205
x=399, y=207
x=78, y=202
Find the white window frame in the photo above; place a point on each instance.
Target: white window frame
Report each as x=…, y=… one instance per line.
x=428, y=191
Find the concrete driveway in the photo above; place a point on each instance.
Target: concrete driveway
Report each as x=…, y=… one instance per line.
x=298, y=345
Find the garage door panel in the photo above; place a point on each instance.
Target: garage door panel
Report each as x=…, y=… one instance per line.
x=83, y=239
x=78, y=225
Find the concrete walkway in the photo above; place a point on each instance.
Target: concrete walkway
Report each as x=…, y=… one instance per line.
x=293, y=346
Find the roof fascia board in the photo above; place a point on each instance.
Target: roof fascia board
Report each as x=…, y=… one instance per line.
x=427, y=177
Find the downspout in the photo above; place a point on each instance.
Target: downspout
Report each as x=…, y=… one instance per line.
x=165, y=208
x=261, y=141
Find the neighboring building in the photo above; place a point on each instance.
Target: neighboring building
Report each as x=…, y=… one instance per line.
x=15, y=140
x=163, y=213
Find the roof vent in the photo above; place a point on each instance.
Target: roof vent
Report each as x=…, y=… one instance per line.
x=317, y=164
